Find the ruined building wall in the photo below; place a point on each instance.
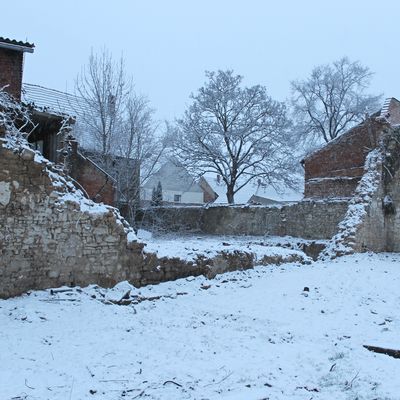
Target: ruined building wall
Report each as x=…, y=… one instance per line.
x=380, y=228
x=392, y=218
x=50, y=235
x=336, y=169
x=390, y=198
x=46, y=240
x=372, y=221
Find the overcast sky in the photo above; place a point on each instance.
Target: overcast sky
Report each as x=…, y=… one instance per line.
x=168, y=44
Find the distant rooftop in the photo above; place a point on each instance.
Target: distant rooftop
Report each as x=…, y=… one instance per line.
x=12, y=44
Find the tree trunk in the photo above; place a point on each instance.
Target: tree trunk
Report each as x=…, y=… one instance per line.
x=230, y=195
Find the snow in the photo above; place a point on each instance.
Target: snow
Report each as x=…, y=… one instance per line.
x=188, y=247
x=131, y=236
x=358, y=206
x=253, y=334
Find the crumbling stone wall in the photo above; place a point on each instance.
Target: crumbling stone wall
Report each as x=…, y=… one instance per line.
x=51, y=236
x=392, y=215
x=307, y=219
x=45, y=242
x=380, y=228
x=372, y=221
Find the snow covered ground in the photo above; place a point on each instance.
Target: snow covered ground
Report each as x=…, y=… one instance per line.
x=252, y=335
x=188, y=247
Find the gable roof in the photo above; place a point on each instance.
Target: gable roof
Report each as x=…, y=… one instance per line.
x=16, y=45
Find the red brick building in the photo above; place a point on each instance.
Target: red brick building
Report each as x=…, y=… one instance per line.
x=336, y=169
x=11, y=65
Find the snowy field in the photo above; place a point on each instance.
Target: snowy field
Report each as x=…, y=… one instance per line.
x=245, y=335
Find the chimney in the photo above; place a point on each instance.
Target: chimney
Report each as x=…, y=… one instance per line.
x=12, y=64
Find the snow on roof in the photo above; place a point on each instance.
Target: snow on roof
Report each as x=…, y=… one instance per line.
x=391, y=110
x=53, y=100
x=173, y=177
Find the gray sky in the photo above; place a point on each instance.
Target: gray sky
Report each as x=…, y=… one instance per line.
x=168, y=44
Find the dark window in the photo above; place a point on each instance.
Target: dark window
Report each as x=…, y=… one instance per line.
x=177, y=198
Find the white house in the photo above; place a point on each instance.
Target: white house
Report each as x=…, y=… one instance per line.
x=178, y=186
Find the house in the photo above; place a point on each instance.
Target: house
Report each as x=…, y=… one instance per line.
x=335, y=170
x=99, y=178
x=178, y=186
x=44, y=136
x=51, y=131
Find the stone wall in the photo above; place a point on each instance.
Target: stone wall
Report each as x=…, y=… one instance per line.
x=380, y=228
x=306, y=219
x=50, y=235
x=372, y=221
x=388, y=199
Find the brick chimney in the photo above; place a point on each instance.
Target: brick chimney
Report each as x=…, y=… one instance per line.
x=12, y=64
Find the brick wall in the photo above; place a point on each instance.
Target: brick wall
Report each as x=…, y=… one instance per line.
x=99, y=186
x=11, y=64
x=336, y=169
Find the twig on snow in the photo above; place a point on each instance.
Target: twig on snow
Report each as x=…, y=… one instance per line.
x=223, y=379
x=175, y=383
x=26, y=384
x=139, y=395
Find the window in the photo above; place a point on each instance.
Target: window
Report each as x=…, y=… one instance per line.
x=177, y=198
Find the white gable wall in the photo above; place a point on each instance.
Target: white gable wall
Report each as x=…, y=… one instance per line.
x=169, y=196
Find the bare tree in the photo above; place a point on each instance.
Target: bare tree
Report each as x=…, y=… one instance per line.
x=332, y=100
x=141, y=145
x=239, y=133
x=104, y=90
x=117, y=126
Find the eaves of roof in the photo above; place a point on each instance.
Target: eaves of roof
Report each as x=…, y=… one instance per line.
x=16, y=45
